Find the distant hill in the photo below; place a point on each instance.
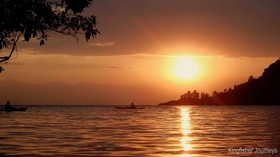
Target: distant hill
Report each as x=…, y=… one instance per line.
x=264, y=90
x=60, y=93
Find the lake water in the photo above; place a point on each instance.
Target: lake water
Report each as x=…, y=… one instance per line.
x=156, y=131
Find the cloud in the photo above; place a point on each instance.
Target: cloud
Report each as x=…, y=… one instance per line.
x=227, y=28
x=121, y=67
x=102, y=44
x=15, y=64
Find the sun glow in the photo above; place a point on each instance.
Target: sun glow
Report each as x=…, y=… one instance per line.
x=185, y=68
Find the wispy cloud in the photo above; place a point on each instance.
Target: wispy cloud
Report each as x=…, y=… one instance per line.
x=103, y=44
x=15, y=64
x=121, y=67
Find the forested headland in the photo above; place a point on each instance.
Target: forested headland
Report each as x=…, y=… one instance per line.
x=264, y=90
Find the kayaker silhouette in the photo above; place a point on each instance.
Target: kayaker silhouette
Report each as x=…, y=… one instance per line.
x=132, y=106
x=8, y=107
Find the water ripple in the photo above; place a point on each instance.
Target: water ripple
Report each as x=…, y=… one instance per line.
x=183, y=131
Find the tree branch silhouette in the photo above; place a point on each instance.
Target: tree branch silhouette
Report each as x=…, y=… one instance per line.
x=32, y=19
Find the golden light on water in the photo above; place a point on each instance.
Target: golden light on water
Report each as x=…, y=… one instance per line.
x=185, y=129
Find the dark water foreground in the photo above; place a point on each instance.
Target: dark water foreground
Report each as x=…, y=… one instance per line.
x=156, y=131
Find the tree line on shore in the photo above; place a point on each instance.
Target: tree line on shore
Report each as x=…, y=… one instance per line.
x=264, y=90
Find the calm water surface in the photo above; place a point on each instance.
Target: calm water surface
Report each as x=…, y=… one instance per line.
x=156, y=131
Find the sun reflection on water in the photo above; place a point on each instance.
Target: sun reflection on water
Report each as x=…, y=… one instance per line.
x=185, y=129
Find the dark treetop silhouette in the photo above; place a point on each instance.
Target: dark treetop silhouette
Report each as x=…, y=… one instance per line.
x=32, y=18
x=264, y=90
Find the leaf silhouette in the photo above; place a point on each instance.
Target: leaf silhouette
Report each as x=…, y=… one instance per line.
x=27, y=34
x=42, y=42
x=87, y=35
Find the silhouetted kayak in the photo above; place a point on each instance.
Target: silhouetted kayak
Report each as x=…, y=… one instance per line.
x=15, y=109
x=127, y=107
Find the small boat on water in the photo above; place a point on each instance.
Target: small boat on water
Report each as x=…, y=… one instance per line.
x=128, y=107
x=132, y=106
x=15, y=109
x=9, y=108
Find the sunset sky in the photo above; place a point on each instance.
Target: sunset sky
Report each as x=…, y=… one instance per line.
x=148, y=43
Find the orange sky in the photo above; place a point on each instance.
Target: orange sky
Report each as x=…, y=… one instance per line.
x=141, y=42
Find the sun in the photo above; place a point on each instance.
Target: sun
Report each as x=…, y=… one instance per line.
x=185, y=68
